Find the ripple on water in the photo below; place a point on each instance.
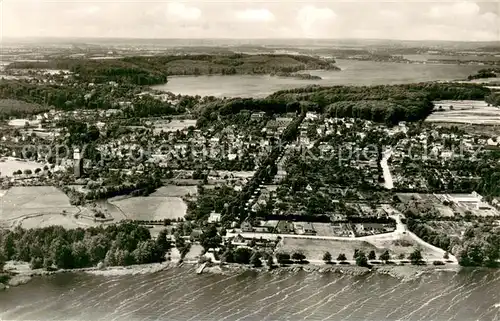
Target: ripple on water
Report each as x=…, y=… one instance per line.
x=181, y=294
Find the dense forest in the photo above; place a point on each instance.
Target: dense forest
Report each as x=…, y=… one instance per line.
x=142, y=70
x=389, y=104
x=431, y=91
x=56, y=247
x=390, y=112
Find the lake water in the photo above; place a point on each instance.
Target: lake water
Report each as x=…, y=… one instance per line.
x=181, y=294
x=353, y=73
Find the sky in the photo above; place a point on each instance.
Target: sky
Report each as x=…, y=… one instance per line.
x=454, y=20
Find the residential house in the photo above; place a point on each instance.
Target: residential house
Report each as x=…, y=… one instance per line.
x=304, y=228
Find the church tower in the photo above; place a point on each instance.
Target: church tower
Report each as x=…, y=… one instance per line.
x=78, y=163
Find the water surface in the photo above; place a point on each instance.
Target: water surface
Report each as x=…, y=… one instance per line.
x=353, y=73
x=181, y=294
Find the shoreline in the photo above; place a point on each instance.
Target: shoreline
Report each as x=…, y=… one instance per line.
x=22, y=274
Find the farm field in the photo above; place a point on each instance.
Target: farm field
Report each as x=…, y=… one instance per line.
x=466, y=112
x=151, y=208
x=36, y=205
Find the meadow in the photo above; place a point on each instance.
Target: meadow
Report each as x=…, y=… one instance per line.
x=151, y=208
x=465, y=112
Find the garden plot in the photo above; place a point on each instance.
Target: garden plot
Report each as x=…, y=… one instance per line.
x=465, y=111
x=151, y=208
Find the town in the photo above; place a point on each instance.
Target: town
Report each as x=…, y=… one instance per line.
x=276, y=181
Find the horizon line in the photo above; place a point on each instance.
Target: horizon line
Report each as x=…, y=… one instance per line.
x=246, y=39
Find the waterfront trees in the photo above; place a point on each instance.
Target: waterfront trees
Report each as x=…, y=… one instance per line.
x=327, y=257
x=416, y=257
x=385, y=256
x=361, y=259
x=122, y=244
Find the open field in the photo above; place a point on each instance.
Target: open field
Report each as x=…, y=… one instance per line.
x=315, y=248
x=36, y=207
x=405, y=245
x=174, y=125
x=49, y=220
x=151, y=208
x=465, y=112
x=175, y=191
x=9, y=165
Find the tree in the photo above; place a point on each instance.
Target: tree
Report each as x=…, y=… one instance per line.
x=28, y=171
x=38, y=170
x=210, y=238
x=298, y=256
x=446, y=256
x=361, y=259
x=371, y=255
x=61, y=254
x=283, y=258
x=385, y=256
x=255, y=259
x=342, y=257
x=162, y=242
x=242, y=255
x=416, y=257
x=327, y=257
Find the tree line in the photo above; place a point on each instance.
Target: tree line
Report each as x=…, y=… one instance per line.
x=56, y=247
